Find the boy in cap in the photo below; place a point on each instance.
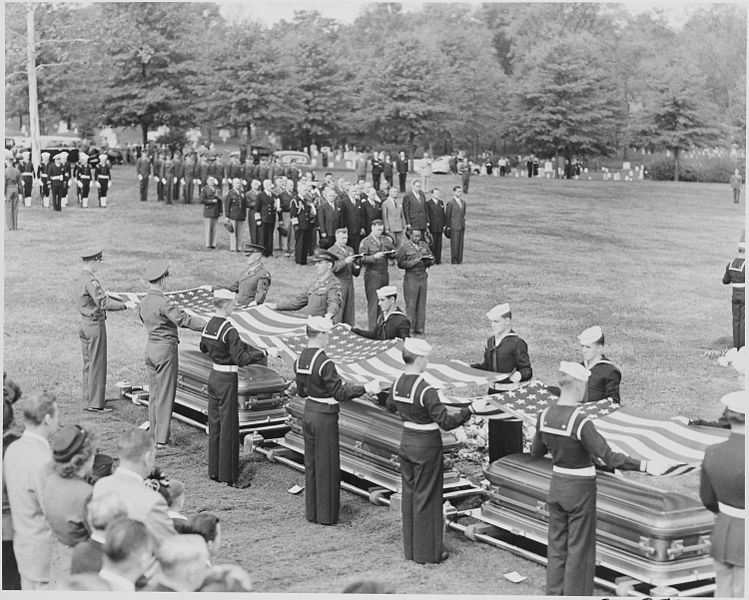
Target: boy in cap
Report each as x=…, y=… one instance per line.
x=254, y=282
x=220, y=340
x=722, y=490
x=735, y=276
x=27, y=176
x=93, y=304
x=161, y=317
x=318, y=381
x=423, y=414
x=572, y=439
x=604, y=376
x=377, y=249
x=392, y=323
x=210, y=198
x=13, y=186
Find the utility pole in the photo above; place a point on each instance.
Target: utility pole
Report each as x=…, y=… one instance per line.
x=31, y=74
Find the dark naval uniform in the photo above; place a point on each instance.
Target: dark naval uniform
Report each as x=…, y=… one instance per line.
x=27, y=176
x=345, y=274
x=253, y=285
x=56, y=175
x=161, y=317
x=375, y=272
x=83, y=175
x=302, y=215
x=415, y=260
x=396, y=325
x=573, y=440
x=735, y=272
x=93, y=304
x=420, y=455
x=318, y=381
x=603, y=382
x=221, y=342
x=103, y=177
x=321, y=298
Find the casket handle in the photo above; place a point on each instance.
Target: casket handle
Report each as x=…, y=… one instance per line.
x=645, y=545
x=677, y=547
x=542, y=510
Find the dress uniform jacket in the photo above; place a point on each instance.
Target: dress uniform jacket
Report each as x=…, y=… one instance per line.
x=415, y=260
x=375, y=272
x=220, y=340
x=573, y=440
x=253, y=285
x=93, y=303
x=415, y=211
x=345, y=274
x=83, y=174
x=211, y=201
x=56, y=175
x=167, y=179
x=43, y=176
x=422, y=413
x=235, y=207
x=508, y=355
x=328, y=220
x=318, y=381
x=455, y=219
x=161, y=316
x=395, y=325
x=302, y=214
x=103, y=178
x=735, y=275
x=265, y=206
x=603, y=382
x=321, y=298
x=27, y=176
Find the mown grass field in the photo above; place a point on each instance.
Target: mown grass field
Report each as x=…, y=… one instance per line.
x=642, y=259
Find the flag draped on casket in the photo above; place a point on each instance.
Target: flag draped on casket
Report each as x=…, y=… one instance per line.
x=358, y=359
x=638, y=435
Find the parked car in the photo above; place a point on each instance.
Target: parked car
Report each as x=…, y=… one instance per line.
x=441, y=165
x=287, y=158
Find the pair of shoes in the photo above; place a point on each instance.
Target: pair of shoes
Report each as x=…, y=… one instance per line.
x=98, y=410
x=213, y=478
x=238, y=485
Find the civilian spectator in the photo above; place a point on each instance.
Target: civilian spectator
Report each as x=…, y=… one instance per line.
x=11, y=577
x=183, y=564
x=227, y=578
x=128, y=554
x=87, y=556
x=207, y=526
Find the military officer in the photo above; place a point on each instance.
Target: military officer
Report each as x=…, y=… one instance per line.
x=604, y=376
x=320, y=384
x=179, y=175
x=167, y=177
x=254, y=282
x=26, y=167
x=377, y=249
x=55, y=174
x=265, y=216
x=93, y=304
x=220, y=340
x=302, y=213
x=143, y=170
x=13, y=186
x=392, y=322
x=83, y=176
x=43, y=176
x=734, y=275
x=210, y=198
x=189, y=177
x=414, y=257
x=722, y=490
x=235, y=209
x=161, y=317
x=157, y=162
x=573, y=441
x=323, y=297
x=103, y=178
x=345, y=269
x=423, y=414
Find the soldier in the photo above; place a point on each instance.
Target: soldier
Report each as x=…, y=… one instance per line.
x=414, y=257
x=212, y=209
x=55, y=173
x=387, y=170
x=83, y=176
x=455, y=224
x=323, y=297
x=143, y=169
x=202, y=172
x=291, y=187
x=265, y=216
x=328, y=218
x=220, y=340
x=157, y=175
x=735, y=274
x=320, y=384
x=303, y=215
x=103, y=179
x=254, y=282
x=93, y=303
x=215, y=168
x=66, y=177
x=414, y=209
x=234, y=169
x=161, y=316
x=391, y=322
x=604, y=376
x=736, y=183
x=345, y=268
x=179, y=176
x=26, y=167
x=189, y=178
x=423, y=414
x=13, y=185
x=283, y=197
x=235, y=209
x=43, y=177
x=167, y=177
x=251, y=204
x=436, y=218
x=377, y=167
x=377, y=249
x=722, y=488
x=465, y=174
x=573, y=441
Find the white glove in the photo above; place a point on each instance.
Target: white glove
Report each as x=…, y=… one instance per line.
x=516, y=377
x=156, y=179
x=372, y=387
x=480, y=405
x=274, y=352
x=346, y=326
x=98, y=184
x=182, y=181
x=656, y=467
x=140, y=177
x=79, y=184
x=131, y=304
x=175, y=180
x=163, y=180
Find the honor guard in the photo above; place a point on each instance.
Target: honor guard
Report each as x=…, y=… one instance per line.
x=220, y=340
x=157, y=175
x=66, y=177
x=320, y=384
x=55, y=173
x=345, y=268
x=103, y=178
x=161, y=317
x=377, y=250
x=415, y=257
x=189, y=177
x=423, y=414
x=573, y=441
x=26, y=167
x=734, y=275
x=43, y=177
x=13, y=187
x=254, y=282
x=722, y=489
x=604, y=377
x=167, y=178
x=179, y=174
x=83, y=177
x=93, y=305
x=323, y=297
x=391, y=322
x=143, y=170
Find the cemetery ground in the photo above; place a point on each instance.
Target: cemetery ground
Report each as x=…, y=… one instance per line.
x=642, y=259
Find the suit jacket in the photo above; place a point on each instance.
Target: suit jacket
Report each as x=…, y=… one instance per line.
x=86, y=557
x=392, y=216
x=328, y=219
x=455, y=216
x=143, y=504
x=415, y=211
x=351, y=215
x=369, y=212
x=436, y=216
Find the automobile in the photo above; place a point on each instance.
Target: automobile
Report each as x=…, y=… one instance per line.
x=441, y=165
x=288, y=158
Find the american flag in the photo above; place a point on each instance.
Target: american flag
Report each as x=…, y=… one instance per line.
x=637, y=435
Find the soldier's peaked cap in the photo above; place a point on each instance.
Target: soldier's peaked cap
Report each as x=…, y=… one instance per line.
x=250, y=248
x=156, y=270
x=90, y=254
x=324, y=255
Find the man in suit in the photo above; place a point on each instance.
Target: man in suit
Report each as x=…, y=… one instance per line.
x=88, y=556
x=436, y=218
x=33, y=541
x=137, y=456
x=303, y=216
x=455, y=223
x=401, y=166
x=351, y=217
x=210, y=198
x=722, y=489
x=328, y=218
x=415, y=210
x=183, y=564
x=376, y=170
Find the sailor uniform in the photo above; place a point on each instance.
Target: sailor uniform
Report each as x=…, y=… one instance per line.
x=396, y=325
x=83, y=175
x=56, y=174
x=319, y=382
x=375, y=272
x=27, y=176
x=735, y=274
x=103, y=177
x=603, y=382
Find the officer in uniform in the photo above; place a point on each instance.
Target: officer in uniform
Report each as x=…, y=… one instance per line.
x=167, y=178
x=735, y=273
x=161, y=316
x=43, y=176
x=13, y=186
x=320, y=384
x=254, y=282
x=221, y=342
x=506, y=354
x=265, y=216
x=604, y=376
x=189, y=177
x=235, y=209
x=210, y=198
x=83, y=176
x=322, y=298
x=143, y=169
x=414, y=257
x=93, y=305
x=103, y=178
x=722, y=489
x=422, y=413
x=346, y=267
x=573, y=441
x=302, y=213
x=26, y=167
x=55, y=174
x=391, y=322
x=377, y=249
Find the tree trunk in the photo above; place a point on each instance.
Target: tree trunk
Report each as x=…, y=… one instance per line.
x=249, y=134
x=676, y=165
x=36, y=158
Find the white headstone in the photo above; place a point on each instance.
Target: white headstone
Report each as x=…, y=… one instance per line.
x=631, y=173
x=617, y=176
x=548, y=167
x=626, y=166
x=585, y=170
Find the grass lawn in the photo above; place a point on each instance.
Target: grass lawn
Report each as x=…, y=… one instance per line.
x=642, y=259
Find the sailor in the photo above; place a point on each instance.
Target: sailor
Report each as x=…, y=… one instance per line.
x=345, y=268
x=392, y=323
x=573, y=441
x=83, y=177
x=318, y=381
x=43, y=177
x=103, y=178
x=604, y=376
x=55, y=174
x=254, y=282
x=66, y=176
x=735, y=273
x=423, y=414
x=220, y=340
x=26, y=167
x=722, y=492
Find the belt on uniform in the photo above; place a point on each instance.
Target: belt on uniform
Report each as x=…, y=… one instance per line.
x=323, y=400
x=732, y=511
x=27, y=174
x=738, y=285
x=420, y=426
x=226, y=368
x=56, y=177
x=103, y=176
x=581, y=472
